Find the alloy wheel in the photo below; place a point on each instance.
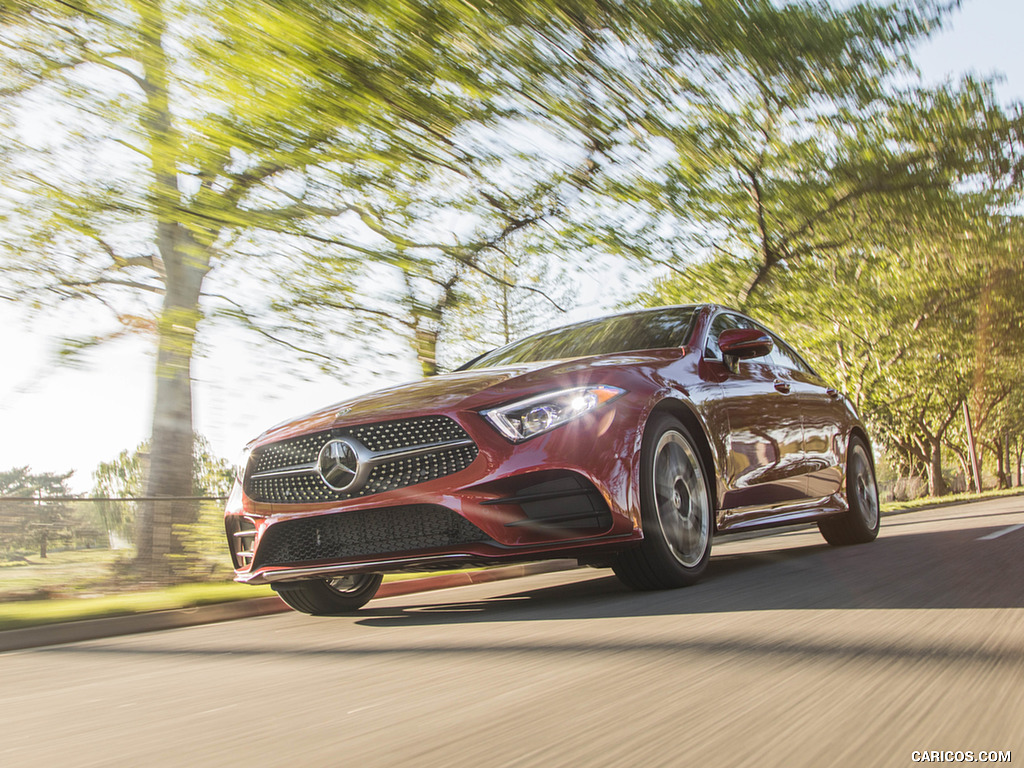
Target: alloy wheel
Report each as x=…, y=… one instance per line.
x=681, y=499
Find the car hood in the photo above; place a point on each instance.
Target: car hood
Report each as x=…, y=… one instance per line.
x=459, y=391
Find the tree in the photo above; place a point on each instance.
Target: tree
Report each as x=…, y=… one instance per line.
x=602, y=86
x=911, y=332
x=124, y=477
x=439, y=315
x=182, y=136
x=498, y=313
x=766, y=157
x=183, y=139
x=995, y=397
x=36, y=521
x=851, y=205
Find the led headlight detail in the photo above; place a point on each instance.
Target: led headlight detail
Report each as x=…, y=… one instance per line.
x=524, y=419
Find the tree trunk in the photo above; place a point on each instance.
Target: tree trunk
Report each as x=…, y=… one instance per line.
x=425, y=340
x=428, y=320
x=170, y=455
x=185, y=265
x=936, y=482
x=1009, y=460
x=170, y=468
x=964, y=467
x=1002, y=466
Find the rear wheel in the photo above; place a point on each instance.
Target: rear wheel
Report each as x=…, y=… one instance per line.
x=859, y=524
x=676, y=511
x=329, y=597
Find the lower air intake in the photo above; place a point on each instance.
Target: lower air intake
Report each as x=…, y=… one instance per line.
x=363, y=534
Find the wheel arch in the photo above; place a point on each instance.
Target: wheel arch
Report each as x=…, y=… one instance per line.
x=858, y=431
x=685, y=413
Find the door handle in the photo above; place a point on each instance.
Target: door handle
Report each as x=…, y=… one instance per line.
x=782, y=386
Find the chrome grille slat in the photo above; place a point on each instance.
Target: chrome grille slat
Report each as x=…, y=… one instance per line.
x=401, y=453
x=398, y=454
x=241, y=534
x=299, y=469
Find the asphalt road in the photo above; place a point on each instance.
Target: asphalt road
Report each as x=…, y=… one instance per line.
x=790, y=653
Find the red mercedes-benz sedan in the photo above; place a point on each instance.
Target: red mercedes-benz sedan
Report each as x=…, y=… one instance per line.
x=627, y=442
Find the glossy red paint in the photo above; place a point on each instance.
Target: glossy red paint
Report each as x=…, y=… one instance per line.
x=772, y=437
x=745, y=343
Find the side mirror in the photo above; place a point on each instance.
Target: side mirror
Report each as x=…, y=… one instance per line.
x=744, y=343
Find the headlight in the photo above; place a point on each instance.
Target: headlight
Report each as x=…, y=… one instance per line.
x=524, y=419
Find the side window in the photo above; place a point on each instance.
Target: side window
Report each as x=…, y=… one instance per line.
x=783, y=356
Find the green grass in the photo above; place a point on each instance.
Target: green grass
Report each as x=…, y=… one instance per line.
x=61, y=574
x=30, y=613
x=933, y=501
x=33, y=613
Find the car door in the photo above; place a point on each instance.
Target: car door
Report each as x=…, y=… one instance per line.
x=821, y=409
x=764, y=428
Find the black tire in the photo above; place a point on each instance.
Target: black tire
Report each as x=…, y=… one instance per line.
x=329, y=597
x=859, y=524
x=676, y=511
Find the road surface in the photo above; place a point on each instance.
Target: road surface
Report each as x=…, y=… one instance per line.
x=790, y=653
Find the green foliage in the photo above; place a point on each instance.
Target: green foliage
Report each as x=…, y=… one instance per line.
x=204, y=548
x=596, y=125
x=37, y=523
x=911, y=332
x=350, y=179
x=122, y=477
x=186, y=137
x=760, y=159
x=865, y=216
x=125, y=477
x=192, y=145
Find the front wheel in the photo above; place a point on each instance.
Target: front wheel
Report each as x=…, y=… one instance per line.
x=859, y=524
x=676, y=510
x=329, y=597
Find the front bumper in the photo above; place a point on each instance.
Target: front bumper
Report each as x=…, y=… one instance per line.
x=563, y=494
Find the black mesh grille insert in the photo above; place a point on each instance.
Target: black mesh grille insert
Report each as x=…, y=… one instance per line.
x=364, y=533
x=557, y=499
x=306, y=486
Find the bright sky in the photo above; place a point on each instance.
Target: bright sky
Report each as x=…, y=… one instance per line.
x=984, y=38
x=55, y=419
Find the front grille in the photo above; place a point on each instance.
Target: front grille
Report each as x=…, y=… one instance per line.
x=400, y=454
x=363, y=534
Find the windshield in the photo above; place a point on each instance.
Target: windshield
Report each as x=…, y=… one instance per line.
x=652, y=329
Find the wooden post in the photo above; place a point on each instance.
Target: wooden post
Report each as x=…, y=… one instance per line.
x=971, y=449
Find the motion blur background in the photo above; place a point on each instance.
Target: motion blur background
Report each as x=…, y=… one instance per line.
x=214, y=216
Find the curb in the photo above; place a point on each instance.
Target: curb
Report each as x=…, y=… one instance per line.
x=96, y=629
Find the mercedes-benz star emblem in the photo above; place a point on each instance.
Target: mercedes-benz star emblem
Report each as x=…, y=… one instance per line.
x=338, y=464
